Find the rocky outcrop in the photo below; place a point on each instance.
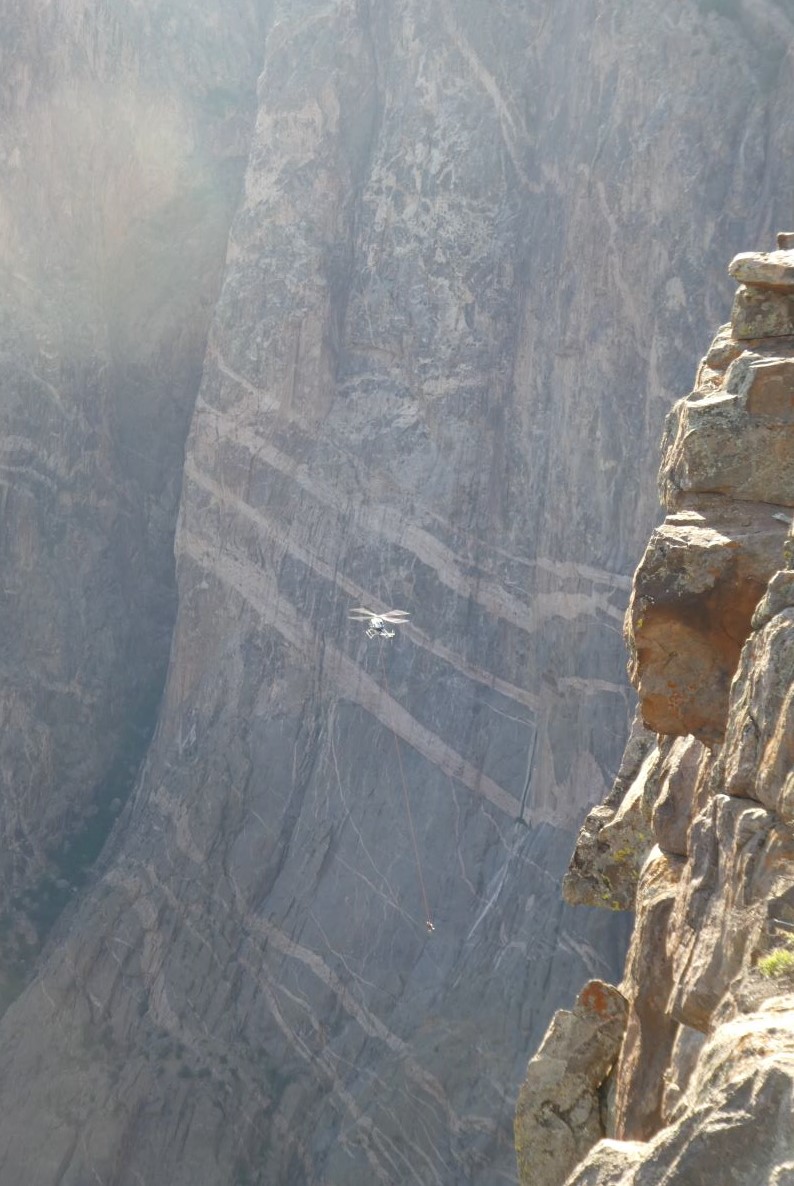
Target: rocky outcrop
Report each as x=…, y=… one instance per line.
x=734, y=438
x=737, y=1118
x=704, y=1078
x=461, y=285
x=561, y=1104
x=757, y=760
x=616, y=836
x=694, y=594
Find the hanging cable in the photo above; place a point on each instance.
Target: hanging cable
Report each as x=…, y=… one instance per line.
x=429, y=925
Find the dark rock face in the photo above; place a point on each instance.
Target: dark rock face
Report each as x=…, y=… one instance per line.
x=425, y=385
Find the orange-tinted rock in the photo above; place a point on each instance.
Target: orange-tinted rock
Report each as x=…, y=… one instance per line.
x=694, y=593
x=705, y=1074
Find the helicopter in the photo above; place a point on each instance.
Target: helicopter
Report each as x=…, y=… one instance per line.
x=378, y=622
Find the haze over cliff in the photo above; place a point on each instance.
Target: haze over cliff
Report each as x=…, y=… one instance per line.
x=390, y=300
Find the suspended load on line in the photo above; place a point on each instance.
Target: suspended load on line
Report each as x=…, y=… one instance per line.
x=377, y=623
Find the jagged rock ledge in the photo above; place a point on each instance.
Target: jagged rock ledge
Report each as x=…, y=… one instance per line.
x=698, y=834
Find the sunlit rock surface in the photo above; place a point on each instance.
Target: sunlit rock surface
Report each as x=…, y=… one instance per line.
x=758, y=757
x=477, y=247
x=704, y=1082
x=737, y=1120
x=650, y=1032
x=735, y=438
x=672, y=797
x=561, y=1106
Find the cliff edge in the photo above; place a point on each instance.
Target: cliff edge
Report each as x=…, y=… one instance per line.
x=684, y=1073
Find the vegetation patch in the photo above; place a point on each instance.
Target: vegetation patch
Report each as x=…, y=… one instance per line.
x=778, y=963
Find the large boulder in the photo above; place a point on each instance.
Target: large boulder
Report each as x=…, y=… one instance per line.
x=736, y=439
x=738, y=1125
x=762, y=313
x=696, y=588
x=764, y=269
x=560, y=1110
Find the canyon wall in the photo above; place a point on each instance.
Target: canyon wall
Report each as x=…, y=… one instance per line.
x=123, y=137
x=686, y=1070
x=462, y=283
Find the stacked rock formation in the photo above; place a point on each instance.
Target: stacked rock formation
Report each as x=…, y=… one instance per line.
x=697, y=835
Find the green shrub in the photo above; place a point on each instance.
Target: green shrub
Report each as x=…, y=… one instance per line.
x=779, y=962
